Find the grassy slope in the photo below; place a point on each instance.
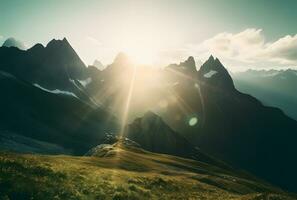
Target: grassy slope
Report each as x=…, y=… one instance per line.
x=123, y=173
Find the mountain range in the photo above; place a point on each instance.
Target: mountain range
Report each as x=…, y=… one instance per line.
x=272, y=87
x=50, y=96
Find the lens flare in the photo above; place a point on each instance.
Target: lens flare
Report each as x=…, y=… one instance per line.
x=193, y=121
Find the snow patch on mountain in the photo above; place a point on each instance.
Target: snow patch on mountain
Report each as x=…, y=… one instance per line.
x=86, y=81
x=210, y=74
x=55, y=91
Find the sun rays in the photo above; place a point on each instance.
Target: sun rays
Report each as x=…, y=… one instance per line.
x=130, y=90
x=128, y=102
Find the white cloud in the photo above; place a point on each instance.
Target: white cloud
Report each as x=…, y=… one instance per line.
x=93, y=41
x=242, y=46
x=250, y=48
x=284, y=50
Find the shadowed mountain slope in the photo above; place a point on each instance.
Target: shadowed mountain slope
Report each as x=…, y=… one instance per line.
x=59, y=119
x=55, y=66
x=48, y=66
x=240, y=130
x=154, y=135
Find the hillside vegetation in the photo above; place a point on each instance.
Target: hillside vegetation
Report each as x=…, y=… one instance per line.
x=119, y=172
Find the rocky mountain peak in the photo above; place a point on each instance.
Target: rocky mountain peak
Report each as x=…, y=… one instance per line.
x=58, y=43
x=189, y=64
x=98, y=64
x=12, y=42
x=213, y=73
x=122, y=58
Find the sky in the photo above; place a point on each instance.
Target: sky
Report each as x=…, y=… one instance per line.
x=241, y=33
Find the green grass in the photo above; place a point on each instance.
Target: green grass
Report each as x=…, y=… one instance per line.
x=124, y=174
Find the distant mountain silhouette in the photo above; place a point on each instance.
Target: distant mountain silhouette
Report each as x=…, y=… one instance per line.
x=12, y=42
x=98, y=64
x=122, y=59
x=186, y=66
x=272, y=87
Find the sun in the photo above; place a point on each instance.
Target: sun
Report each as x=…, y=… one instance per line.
x=141, y=50
x=141, y=55
x=142, y=46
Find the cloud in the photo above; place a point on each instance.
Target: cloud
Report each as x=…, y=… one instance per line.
x=93, y=41
x=284, y=50
x=250, y=47
x=243, y=45
x=168, y=56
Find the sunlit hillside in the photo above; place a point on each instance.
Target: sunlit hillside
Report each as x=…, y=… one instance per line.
x=124, y=172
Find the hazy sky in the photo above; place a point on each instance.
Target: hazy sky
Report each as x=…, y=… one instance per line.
x=242, y=33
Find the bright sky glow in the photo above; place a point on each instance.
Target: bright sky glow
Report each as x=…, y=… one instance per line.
x=160, y=32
